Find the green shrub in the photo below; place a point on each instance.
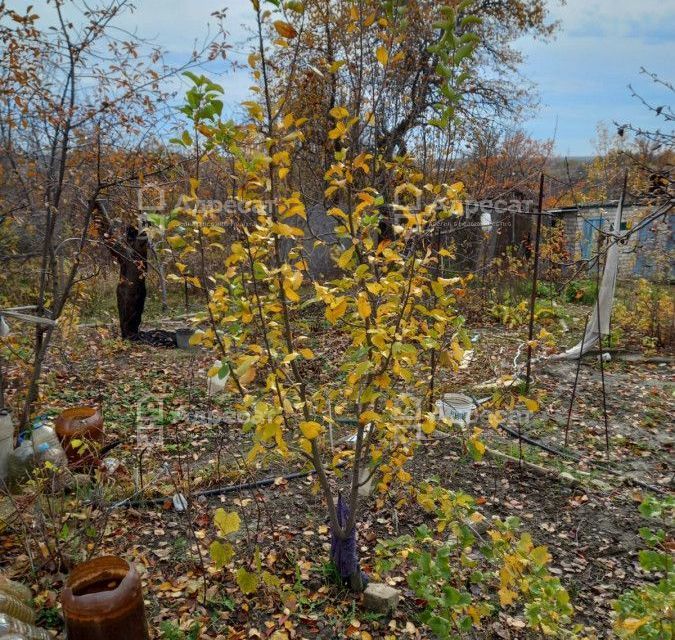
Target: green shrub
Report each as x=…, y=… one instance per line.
x=646, y=612
x=582, y=291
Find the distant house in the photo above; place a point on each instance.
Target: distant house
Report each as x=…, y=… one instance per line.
x=486, y=231
x=649, y=253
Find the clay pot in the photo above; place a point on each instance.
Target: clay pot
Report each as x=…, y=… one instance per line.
x=84, y=424
x=102, y=600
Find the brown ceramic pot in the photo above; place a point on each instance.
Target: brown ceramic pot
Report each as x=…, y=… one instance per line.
x=84, y=424
x=102, y=600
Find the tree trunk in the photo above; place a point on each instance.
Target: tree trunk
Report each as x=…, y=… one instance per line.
x=132, y=256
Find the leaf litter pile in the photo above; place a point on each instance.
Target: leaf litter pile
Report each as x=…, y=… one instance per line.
x=587, y=516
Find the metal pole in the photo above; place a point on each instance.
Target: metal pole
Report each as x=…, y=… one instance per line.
x=576, y=381
x=602, y=355
x=617, y=232
x=2, y=384
x=535, y=273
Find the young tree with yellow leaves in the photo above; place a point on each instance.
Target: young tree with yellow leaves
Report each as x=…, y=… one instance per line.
x=390, y=300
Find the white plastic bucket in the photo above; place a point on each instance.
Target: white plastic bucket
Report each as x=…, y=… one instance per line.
x=456, y=407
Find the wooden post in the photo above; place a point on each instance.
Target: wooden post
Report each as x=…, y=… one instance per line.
x=535, y=274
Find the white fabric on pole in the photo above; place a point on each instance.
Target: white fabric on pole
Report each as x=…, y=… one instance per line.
x=599, y=322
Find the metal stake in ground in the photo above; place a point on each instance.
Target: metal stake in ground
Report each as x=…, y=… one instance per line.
x=535, y=273
x=602, y=355
x=617, y=232
x=576, y=381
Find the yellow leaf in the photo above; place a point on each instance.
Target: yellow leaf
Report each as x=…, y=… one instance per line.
x=307, y=353
x=344, y=259
x=633, y=624
x=457, y=351
x=478, y=446
x=286, y=230
x=429, y=424
x=363, y=306
x=403, y=476
x=196, y=338
x=369, y=416
x=176, y=242
x=506, y=596
x=383, y=381
x=339, y=113
x=336, y=310
x=221, y=553
x=336, y=65
x=283, y=172
x=247, y=582
x=288, y=120
x=247, y=376
x=541, y=555
x=290, y=357
x=379, y=339
x=310, y=429
x=338, y=131
x=475, y=614
x=305, y=445
x=382, y=56
x=227, y=522
x=284, y=29
x=291, y=295
x=532, y=405
x=289, y=289
x=495, y=419
x=281, y=157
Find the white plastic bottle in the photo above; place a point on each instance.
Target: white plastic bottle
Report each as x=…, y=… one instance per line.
x=6, y=441
x=42, y=434
x=47, y=446
x=20, y=464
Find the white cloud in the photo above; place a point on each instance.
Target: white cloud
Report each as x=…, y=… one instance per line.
x=583, y=74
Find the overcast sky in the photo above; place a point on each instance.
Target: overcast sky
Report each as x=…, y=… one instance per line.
x=582, y=76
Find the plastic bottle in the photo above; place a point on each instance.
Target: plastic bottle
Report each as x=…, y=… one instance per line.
x=53, y=453
x=20, y=464
x=9, y=626
x=103, y=599
x=43, y=434
x=16, y=609
x=17, y=590
x=6, y=441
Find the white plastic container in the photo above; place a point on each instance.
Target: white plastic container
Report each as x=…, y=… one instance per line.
x=44, y=435
x=20, y=465
x=11, y=626
x=6, y=441
x=215, y=384
x=456, y=407
x=47, y=447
